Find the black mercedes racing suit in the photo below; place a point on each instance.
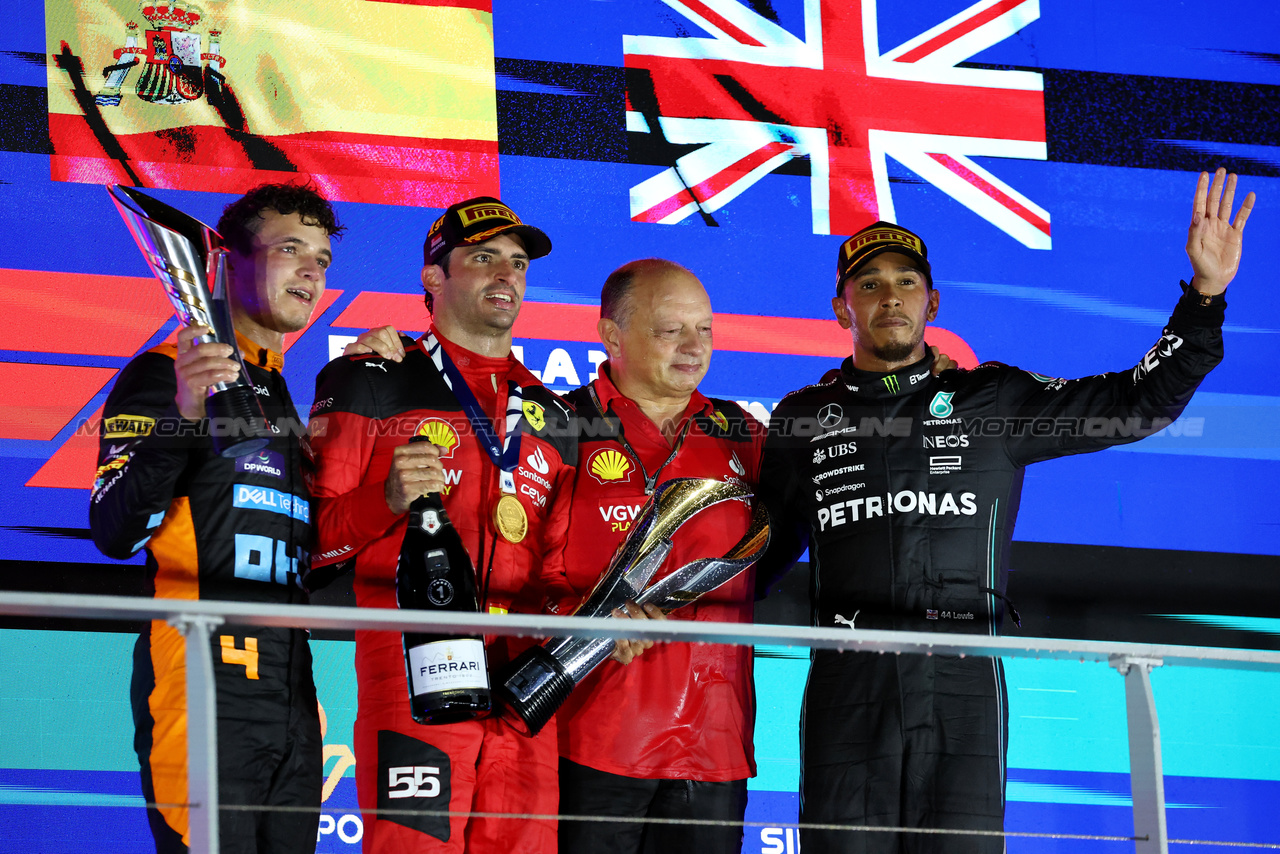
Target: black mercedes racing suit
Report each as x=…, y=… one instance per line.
x=215, y=528
x=905, y=489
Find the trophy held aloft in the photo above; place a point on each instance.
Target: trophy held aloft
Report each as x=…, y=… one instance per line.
x=538, y=682
x=188, y=258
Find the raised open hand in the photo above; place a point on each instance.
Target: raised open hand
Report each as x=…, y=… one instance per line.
x=1213, y=240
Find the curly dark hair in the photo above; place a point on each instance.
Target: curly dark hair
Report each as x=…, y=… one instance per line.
x=238, y=222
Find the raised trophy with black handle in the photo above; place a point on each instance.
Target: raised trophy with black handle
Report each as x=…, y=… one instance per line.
x=189, y=259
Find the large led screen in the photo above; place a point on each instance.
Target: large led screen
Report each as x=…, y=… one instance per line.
x=1047, y=152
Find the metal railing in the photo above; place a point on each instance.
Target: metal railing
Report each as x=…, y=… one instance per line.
x=197, y=619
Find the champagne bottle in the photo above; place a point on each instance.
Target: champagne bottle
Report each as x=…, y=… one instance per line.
x=448, y=675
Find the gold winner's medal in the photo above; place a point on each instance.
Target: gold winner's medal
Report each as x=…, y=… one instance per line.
x=510, y=520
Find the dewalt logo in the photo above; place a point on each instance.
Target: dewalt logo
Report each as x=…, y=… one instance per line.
x=127, y=426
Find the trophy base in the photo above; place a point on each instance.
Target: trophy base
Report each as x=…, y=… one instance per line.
x=536, y=686
x=236, y=423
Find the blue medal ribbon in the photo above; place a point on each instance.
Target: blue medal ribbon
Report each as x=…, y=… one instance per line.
x=505, y=454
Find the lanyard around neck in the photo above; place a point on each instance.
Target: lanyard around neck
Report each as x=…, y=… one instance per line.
x=650, y=481
x=504, y=454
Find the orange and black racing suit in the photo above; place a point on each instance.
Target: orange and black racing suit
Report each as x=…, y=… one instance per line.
x=215, y=528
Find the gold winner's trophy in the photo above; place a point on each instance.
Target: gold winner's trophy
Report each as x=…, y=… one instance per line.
x=538, y=682
x=188, y=258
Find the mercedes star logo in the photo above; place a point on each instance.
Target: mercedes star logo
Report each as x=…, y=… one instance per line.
x=830, y=415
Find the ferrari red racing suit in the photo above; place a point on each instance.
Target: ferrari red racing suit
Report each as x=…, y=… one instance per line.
x=365, y=407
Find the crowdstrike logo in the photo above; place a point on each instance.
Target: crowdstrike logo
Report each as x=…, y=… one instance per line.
x=819, y=478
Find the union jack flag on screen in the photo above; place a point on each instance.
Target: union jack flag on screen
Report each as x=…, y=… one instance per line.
x=753, y=96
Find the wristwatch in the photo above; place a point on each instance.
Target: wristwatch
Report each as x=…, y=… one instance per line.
x=1197, y=298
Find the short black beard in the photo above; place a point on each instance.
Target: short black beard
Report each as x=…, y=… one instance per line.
x=898, y=352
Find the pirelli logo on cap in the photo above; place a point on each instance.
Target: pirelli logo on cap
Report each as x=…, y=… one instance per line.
x=870, y=239
x=472, y=214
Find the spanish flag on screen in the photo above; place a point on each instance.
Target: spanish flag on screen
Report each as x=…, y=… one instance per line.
x=385, y=101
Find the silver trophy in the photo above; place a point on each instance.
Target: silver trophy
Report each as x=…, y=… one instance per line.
x=538, y=682
x=188, y=258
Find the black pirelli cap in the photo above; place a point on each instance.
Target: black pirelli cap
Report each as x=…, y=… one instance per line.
x=475, y=221
x=873, y=240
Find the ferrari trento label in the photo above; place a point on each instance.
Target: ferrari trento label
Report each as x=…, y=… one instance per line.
x=448, y=665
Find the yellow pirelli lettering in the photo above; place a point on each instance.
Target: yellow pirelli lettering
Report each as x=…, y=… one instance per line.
x=472, y=214
x=247, y=656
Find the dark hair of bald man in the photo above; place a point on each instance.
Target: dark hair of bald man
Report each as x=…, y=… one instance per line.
x=615, y=297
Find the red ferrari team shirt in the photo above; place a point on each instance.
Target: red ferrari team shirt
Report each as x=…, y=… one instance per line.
x=680, y=711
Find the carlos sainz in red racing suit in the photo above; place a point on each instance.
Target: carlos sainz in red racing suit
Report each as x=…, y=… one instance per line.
x=367, y=407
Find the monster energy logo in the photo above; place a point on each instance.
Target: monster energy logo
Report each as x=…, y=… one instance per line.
x=891, y=383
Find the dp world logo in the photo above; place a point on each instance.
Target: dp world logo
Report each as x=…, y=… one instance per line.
x=940, y=406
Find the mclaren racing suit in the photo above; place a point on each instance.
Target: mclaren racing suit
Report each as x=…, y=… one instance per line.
x=215, y=528
x=905, y=488
x=365, y=408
